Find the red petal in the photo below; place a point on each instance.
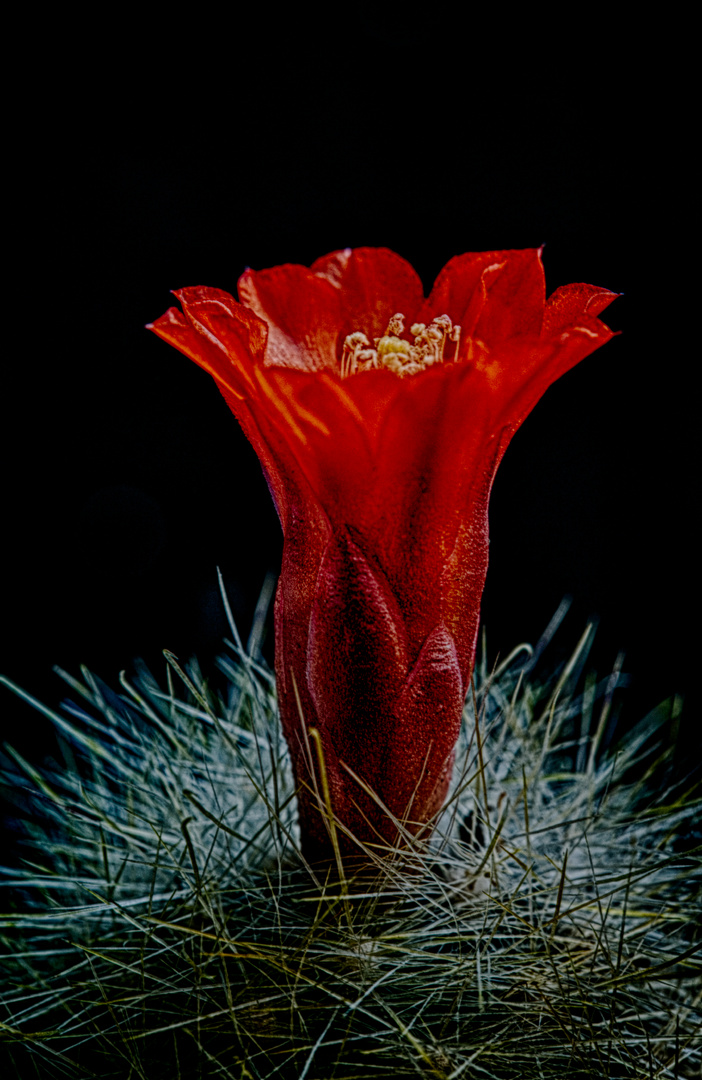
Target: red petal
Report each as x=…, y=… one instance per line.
x=494, y=294
x=327, y=436
x=516, y=298
x=570, y=303
x=357, y=659
x=435, y=446
x=427, y=722
x=373, y=284
x=209, y=353
x=407, y=476
x=303, y=314
x=455, y=287
x=237, y=335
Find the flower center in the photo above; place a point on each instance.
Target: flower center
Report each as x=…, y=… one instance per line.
x=396, y=353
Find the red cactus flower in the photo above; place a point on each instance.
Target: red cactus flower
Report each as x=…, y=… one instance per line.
x=380, y=452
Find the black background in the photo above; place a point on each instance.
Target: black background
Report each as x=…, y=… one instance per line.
x=169, y=155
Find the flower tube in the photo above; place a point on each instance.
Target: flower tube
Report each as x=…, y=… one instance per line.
x=380, y=418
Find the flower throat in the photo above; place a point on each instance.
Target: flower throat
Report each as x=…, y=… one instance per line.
x=396, y=353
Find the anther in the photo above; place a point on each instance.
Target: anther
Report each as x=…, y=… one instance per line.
x=396, y=353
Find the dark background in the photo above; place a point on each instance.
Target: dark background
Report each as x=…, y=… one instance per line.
x=154, y=158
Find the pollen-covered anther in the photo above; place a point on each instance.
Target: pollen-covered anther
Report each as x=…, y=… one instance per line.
x=396, y=353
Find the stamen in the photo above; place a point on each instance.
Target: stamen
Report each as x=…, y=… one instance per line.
x=396, y=353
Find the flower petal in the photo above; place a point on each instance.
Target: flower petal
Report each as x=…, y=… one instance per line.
x=427, y=722
x=373, y=284
x=455, y=288
x=434, y=449
x=236, y=333
x=516, y=298
x=494, y=295
x=570, y=303
x=357, y=655
x=303, y=314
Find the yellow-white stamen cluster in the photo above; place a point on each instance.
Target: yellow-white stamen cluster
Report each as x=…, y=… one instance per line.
x=397, y=354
